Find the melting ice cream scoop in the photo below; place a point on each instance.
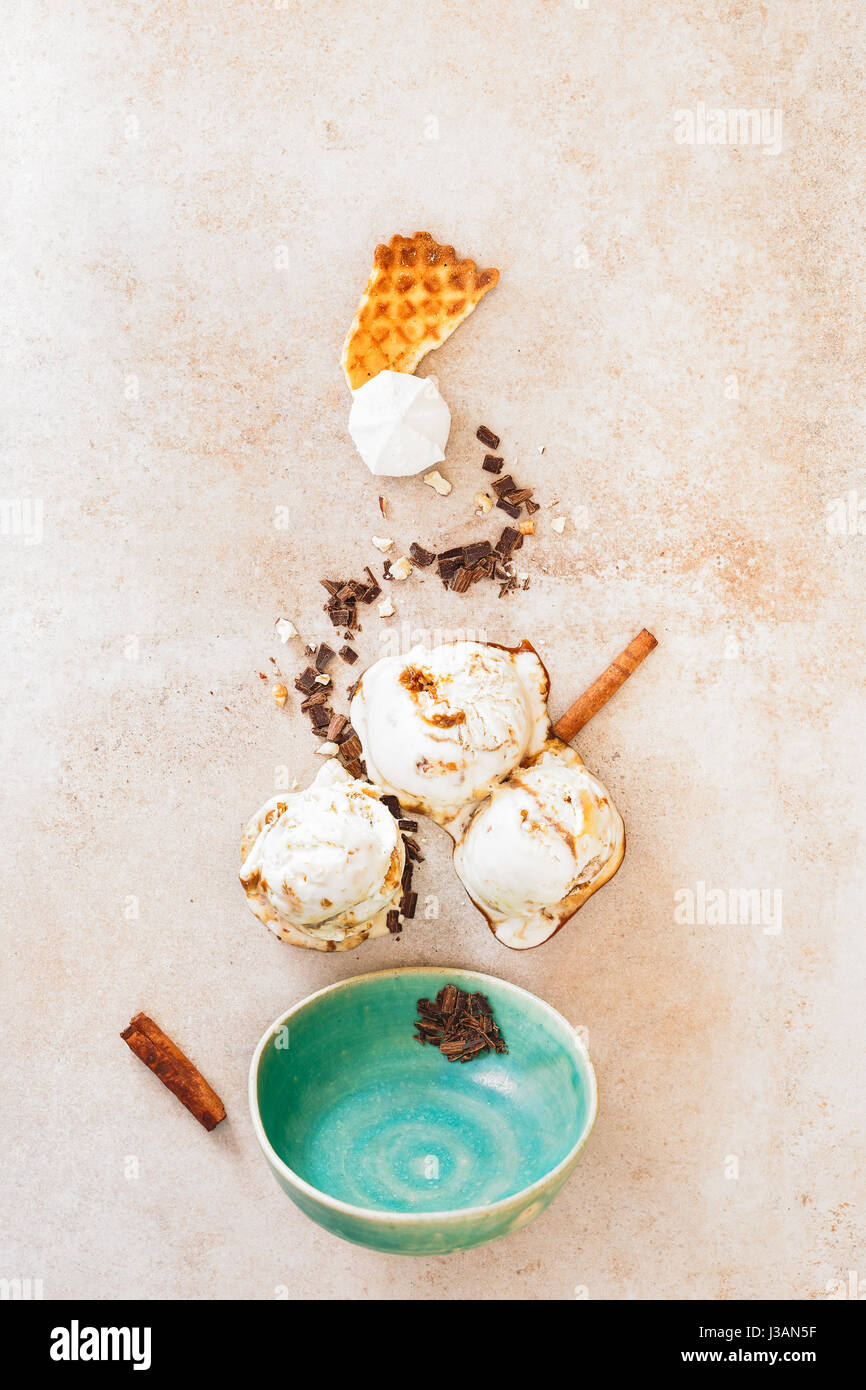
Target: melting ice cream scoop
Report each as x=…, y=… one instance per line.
x=440, y=728
x=539, y=846
x=322, y=866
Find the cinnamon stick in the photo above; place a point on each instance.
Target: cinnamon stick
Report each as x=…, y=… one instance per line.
x=608, y=683
x=174, y=1069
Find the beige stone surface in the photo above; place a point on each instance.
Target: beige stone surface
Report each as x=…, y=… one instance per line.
x=194, y=193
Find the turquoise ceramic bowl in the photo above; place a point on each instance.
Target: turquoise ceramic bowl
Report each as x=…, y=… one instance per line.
x=385, y=1143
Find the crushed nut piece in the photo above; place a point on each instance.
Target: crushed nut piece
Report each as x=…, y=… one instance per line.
x=483, y=503
x=280, y=694
x=327, y=749
x=402, y=568
x=437, y=482
x=558, y=525
x=285, y=629
x=382, y=543
x=527, y=528
x=387, y=609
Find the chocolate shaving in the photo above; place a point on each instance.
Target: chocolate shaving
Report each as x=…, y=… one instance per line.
x=461, y=1025
x=319, y=697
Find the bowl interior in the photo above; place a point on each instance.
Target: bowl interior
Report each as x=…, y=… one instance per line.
x=364, y=1113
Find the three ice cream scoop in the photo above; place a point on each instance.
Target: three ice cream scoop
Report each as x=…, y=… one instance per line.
x=460, y=733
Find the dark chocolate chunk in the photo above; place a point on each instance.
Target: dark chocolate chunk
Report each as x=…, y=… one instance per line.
x=341, y=617
x=407, y=904
x=419, y=556
x=507, y=541
x=349, y=655
x=319, y=697
x=503, y=485
x=335, y=727
x=508, y=507
x=487, y=437
x=408, y=824
x=350, y=748
x=461, y=581
x=393, y=920
x=323, y=656
x=492, y=464
x=307, y=680
x=477, y=551
x=372, y=590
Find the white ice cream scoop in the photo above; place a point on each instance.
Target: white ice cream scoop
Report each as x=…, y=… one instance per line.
x=322, y=867
x=400, y=424
x=534, y=851
x=441, y=727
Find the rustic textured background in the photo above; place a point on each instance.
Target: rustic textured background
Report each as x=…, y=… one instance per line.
x=195, y=192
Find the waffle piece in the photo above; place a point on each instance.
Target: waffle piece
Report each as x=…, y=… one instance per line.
x=417, y=294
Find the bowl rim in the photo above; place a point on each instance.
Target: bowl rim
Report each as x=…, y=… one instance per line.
x=449, y=1214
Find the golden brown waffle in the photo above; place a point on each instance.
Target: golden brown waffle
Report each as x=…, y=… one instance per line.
x=417, y=294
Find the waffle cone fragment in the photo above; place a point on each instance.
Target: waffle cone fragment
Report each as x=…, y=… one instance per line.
x=417, y=294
